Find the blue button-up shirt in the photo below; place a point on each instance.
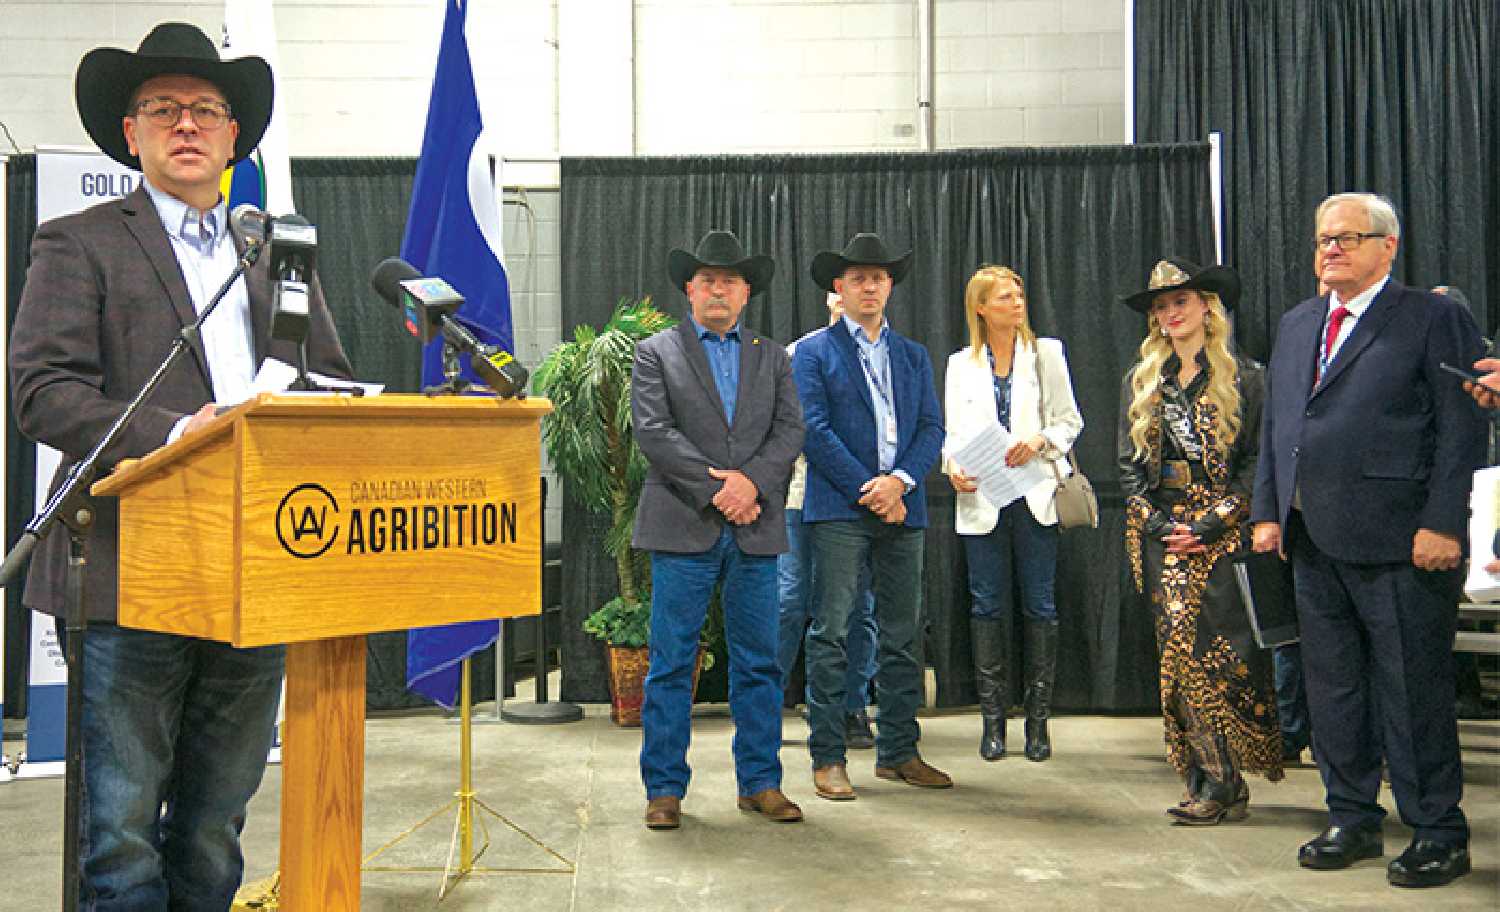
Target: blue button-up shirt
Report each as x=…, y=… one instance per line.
x=723, y=362
x=875, y=360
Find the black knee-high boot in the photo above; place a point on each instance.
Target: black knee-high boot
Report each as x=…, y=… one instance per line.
x=991, y=640
x=1041, y=670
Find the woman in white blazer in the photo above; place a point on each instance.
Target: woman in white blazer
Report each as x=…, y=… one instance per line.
x=1009, y=374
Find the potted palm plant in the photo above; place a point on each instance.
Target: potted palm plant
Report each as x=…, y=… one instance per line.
x=590, y=439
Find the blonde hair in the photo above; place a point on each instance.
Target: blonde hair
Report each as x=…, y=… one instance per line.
x=1223, y=391
x=981, y=286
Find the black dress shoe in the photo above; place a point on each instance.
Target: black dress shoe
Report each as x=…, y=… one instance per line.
x=1339, y=847
x=1428, y=863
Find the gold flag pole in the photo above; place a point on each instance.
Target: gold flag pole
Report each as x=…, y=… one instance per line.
x=465, y=802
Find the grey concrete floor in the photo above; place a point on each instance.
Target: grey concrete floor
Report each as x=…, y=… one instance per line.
x=1084, y=831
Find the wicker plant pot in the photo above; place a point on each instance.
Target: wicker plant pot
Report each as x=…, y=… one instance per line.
x=627, y=682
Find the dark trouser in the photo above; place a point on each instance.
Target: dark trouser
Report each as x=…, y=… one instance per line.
x=794, y=584
x=1377, y=651
x=1291, y=698
x=840, y=549
x=174, y=721
x=1018, y=546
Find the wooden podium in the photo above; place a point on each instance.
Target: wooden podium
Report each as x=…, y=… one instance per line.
x=312, y=520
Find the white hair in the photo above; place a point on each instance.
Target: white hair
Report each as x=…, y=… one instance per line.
x=1382, y=214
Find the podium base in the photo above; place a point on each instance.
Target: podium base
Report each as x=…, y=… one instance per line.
x=549, y=713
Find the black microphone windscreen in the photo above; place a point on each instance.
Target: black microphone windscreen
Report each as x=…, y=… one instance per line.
x=388, y=276
x=248, y=223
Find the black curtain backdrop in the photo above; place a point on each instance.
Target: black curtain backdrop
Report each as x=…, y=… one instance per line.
x=1398, y=97
x=1081, y=225
x=359, y=206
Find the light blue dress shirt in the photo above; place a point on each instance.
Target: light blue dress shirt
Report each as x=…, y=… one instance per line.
x=875, y=361
x=723, y=362
x=206, y=254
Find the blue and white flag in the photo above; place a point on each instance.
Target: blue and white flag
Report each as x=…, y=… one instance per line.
x=453, y=233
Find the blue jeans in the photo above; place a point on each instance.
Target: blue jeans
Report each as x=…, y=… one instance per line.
x=172, y=721
x=795, y=587
x=681, y=586
x=1291, y=698
x=1018, y=546
x=894, y=553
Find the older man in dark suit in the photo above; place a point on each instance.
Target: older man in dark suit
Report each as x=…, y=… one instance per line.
x=167, y=720
x=1367, y=452
x=716, y=414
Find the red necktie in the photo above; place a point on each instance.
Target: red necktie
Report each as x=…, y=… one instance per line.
x=1335, y=322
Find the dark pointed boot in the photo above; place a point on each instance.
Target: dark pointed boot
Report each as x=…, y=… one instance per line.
x=1041, y=671
x=991, y=641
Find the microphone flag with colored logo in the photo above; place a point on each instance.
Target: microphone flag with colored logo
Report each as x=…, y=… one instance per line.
x=453, y=232
x=264, y=178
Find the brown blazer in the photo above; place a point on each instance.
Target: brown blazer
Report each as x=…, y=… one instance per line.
x=103, y=301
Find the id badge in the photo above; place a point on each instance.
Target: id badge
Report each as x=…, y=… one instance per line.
x=890, y=429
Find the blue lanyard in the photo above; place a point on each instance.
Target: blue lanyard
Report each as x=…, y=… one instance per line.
x=875, y=379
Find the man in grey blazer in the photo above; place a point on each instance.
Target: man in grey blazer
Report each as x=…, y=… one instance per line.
x=167, y=721
x=716, y=414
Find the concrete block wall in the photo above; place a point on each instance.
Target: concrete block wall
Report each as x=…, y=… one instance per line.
x=355, y=74
x=532, y=264
x=795, y=75
x=709, y=76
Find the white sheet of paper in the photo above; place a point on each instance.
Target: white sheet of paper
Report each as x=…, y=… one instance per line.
x=1484, y=519
x=275, y=376
x=983, y=458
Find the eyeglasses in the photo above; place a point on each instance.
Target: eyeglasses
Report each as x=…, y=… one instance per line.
x=165, y=112
x=1347, y=241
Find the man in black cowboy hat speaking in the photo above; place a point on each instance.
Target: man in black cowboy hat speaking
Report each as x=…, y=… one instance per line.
x=874, y=431
x=167, y=721
x=716, y=414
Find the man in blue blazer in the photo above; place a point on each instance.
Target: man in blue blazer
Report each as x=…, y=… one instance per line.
x=874, y=431
x=1367, y=453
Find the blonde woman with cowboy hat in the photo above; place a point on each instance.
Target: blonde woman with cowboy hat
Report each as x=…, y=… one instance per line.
x=1189, y=432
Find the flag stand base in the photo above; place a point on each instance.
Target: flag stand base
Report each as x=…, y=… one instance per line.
x=468, y=807
x=541, y=713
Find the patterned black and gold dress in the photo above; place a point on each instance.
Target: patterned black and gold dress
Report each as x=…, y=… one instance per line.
x=1218, y=699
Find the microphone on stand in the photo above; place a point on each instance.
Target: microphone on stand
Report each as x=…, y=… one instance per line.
x=428, y=304
x=294, y=255
x=249, y=226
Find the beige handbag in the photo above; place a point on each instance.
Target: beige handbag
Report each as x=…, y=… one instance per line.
x=1074, y=499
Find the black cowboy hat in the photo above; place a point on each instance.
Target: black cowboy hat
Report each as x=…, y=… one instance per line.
x=864, y=249
x=1174, y=273
x=720, y=248
x=108, y=77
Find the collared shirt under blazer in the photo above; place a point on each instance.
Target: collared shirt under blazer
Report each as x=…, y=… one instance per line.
x=969, y=405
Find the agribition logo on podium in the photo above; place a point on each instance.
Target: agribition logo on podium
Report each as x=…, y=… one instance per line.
x=394, y=516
